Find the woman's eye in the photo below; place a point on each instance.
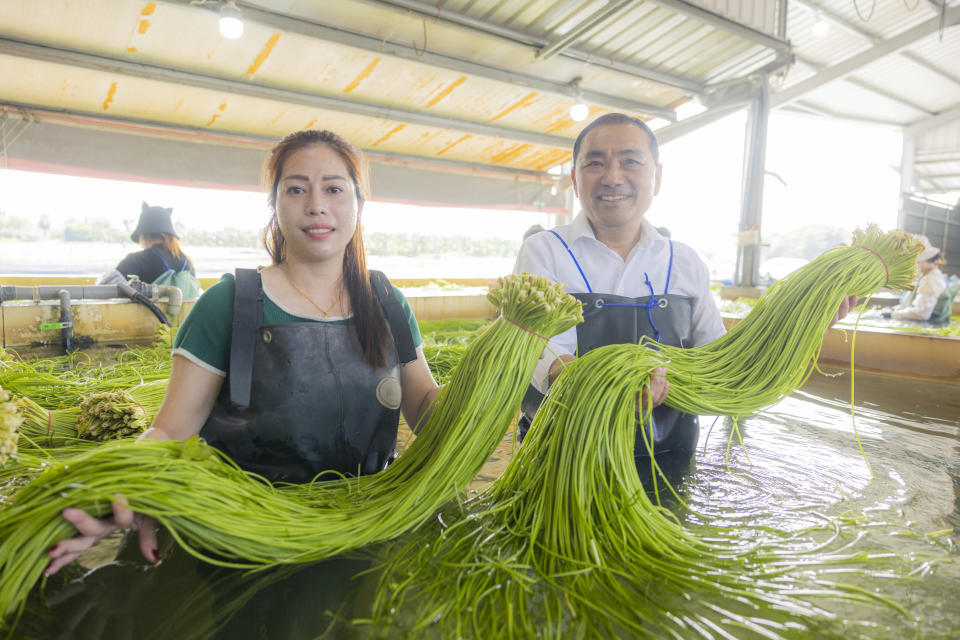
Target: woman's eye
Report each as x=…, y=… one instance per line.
x=294, y=190
x=335, y=189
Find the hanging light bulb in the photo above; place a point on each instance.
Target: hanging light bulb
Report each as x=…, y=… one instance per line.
x=231, y=25
x=820, y=27
x=579, y=111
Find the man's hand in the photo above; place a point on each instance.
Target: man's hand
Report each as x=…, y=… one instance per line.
x=659, y=388
x=845, y=306
x=557, y=366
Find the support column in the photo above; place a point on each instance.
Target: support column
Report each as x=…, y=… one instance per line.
x=751, y=200
x=907, y=160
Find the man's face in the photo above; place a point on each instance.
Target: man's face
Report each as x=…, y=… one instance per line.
x=615, y=176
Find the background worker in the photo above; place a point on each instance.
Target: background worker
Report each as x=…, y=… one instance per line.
x=920, y=303
x=632, y=279
x=161, y=261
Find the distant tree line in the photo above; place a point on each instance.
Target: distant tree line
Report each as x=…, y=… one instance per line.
x=805, y=242
x=376, y=242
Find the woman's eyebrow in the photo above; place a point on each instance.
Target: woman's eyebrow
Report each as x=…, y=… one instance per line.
x=306, y=179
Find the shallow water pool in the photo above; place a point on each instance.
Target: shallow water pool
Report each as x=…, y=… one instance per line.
x=799, y=465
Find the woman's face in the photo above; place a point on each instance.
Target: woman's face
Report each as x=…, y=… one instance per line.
x=317, y=205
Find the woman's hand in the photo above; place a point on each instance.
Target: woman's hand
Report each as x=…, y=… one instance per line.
x=92, y=530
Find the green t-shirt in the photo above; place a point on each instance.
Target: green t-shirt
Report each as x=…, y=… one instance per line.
x=204, y=337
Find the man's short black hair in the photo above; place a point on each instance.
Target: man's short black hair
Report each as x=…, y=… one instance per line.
x=618, y=118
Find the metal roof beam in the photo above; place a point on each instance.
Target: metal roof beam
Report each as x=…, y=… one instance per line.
x=884, y=48
x=725, y=24
x=869, y=87
x=854, y=29
x=817, y=110
x=79, y=118
x=269, y=92
x=380, y=46
x=444, y=15
x=595, y=19
x=937, y=157
x=944, y=117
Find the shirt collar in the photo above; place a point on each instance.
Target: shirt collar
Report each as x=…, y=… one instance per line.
x=580, y=228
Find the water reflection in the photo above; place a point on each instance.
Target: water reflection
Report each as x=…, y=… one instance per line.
x=799, y=466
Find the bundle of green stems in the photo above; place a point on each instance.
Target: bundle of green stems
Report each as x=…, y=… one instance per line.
x=231, y=518
x=775, y=348
x=567, y=543
x=112, y=414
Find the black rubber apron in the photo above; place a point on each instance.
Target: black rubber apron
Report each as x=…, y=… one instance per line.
x=299, y=398
x=611, y=319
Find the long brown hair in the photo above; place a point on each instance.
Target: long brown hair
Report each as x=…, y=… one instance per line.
x=171, y=244
x=368, y=319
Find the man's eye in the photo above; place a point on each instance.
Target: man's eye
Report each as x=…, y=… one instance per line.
x=593, y=163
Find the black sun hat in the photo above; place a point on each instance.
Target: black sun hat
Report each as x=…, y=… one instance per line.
x=153, y=221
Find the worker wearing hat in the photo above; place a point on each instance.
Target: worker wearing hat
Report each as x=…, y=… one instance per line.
x=920, y=303
x=161, y=261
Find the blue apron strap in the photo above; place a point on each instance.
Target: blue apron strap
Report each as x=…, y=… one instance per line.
x=589, y=290
x=666, y=287
x=183, y=267
x=157, y=253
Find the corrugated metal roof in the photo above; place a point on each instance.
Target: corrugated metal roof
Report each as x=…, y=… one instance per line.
x=465, y=83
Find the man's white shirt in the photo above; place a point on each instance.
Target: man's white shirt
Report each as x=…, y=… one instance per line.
x=607, y=272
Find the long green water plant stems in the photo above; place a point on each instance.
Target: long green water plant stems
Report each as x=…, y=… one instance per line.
x=233, y=519
x=771, y=352
x=567, y=543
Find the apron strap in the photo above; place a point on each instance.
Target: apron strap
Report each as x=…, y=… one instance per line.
x=247, y=318
x=582, y=274
x=396, y=318
x=157, y=253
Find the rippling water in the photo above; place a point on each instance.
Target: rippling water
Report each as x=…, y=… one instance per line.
x=799, y=466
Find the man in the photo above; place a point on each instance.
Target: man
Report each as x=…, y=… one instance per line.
x=632, y=279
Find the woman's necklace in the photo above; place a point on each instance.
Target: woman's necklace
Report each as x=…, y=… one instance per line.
x=323, y=312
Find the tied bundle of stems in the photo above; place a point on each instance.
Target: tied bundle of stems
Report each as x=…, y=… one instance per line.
x=115, y=414
x=775, y=348
x=567, y=543
x=234, y=519
x=10, y=421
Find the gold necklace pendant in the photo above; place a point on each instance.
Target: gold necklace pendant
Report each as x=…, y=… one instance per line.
x=323, y=312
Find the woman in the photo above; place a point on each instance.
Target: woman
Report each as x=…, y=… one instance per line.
x=313, y=358
x=161, y=261
x=919, y=303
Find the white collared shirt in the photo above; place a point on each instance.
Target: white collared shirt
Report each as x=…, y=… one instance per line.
x=607, y=272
